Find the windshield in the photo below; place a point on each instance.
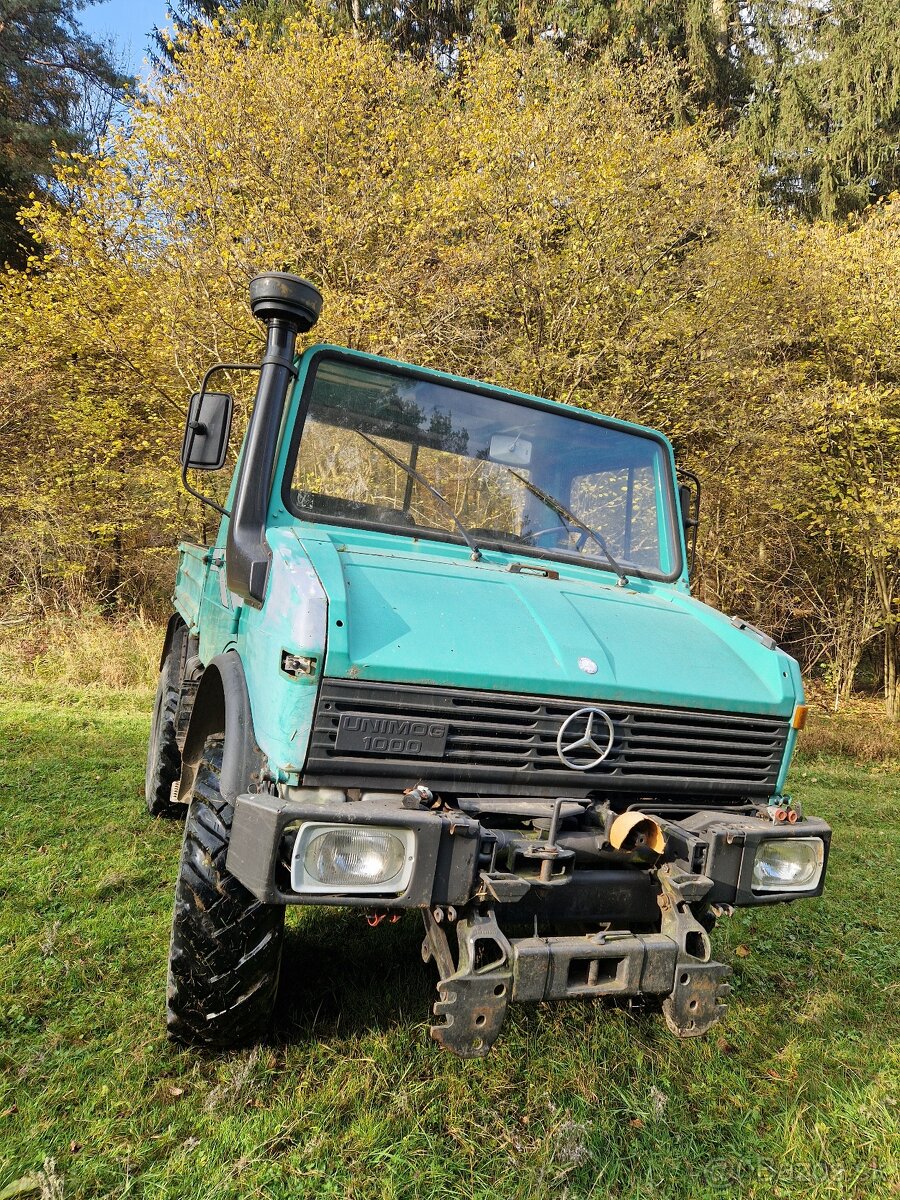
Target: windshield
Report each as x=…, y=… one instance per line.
x=518, y=477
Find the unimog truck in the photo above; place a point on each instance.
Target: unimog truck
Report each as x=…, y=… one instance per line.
x=443, y=655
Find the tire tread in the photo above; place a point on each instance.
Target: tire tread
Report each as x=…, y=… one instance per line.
x=225, y=954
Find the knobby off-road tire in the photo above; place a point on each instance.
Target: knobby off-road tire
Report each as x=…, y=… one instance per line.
x=225, y=953
x=163, y=756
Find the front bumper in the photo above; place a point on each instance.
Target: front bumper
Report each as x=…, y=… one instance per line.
x=651, y=919
x=450, y=853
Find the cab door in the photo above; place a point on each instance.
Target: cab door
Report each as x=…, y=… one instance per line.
x=220, y=610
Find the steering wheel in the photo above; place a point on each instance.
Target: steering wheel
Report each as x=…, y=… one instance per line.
x=583, y=534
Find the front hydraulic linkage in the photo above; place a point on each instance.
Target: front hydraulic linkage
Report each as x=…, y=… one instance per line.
x=700, y=995
x=474, y=988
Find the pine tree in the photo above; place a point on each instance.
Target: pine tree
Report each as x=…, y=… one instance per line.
x=51, y=73
x=824, y=114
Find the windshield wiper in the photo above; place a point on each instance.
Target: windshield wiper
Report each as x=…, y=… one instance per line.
x=569, y=517
x=414, y=474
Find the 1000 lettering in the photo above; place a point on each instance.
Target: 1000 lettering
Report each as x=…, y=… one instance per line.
x=368, y=734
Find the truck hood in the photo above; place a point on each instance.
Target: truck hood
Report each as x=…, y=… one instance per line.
x=424, y=612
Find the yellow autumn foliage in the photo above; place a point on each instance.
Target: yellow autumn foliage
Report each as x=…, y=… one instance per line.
x=530, y=220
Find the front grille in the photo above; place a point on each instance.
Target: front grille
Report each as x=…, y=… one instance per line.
x=505, y=744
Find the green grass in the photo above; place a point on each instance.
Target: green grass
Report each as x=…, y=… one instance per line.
x=794, y=1096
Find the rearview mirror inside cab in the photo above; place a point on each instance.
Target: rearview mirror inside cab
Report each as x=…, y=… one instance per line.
x=511, y=451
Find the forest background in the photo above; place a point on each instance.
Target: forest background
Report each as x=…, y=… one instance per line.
x=681, y=212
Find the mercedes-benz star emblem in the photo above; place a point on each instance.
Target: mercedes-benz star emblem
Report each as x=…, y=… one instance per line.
x=580, y=732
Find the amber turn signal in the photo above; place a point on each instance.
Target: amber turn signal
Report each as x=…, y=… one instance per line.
x=799, y=716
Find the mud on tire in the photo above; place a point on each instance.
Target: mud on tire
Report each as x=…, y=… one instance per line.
x=163, y=754
x=225, y=953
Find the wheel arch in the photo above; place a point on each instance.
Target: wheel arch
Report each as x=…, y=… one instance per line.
x=222, y=705
x=176, y=622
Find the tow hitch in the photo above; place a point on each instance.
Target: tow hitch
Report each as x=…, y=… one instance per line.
x=700, y=992
x=474, y=991
x=489, y=970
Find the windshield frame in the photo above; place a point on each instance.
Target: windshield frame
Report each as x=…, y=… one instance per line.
x=316, y=355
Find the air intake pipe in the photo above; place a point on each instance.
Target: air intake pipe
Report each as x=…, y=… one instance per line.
x=288, y=305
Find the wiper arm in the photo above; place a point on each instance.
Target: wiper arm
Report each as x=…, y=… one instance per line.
x=569, y=517
x=414, y=474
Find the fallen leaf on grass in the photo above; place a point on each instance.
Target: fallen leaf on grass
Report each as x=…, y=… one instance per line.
x=28, y=1184
x=636, y=1123
x=46, y=1184
x=743, y=952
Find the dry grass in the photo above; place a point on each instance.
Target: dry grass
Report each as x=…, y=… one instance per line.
x=83, y=650
x=859, y=730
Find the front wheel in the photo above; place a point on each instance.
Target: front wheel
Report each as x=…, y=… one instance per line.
x=225, y=953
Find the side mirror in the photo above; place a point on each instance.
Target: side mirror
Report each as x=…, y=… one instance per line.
x=206, y=433
x=689, y=501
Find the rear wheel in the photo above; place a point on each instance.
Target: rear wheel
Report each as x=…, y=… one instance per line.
x=225, y=953
x=163, y=755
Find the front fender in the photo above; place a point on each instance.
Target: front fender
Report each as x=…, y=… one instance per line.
x=222, y=706
x=176, y=622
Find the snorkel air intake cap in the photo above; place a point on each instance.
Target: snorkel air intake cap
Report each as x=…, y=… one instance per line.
x=281, y=296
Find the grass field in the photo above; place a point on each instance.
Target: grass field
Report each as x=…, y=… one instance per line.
x=796, y=1095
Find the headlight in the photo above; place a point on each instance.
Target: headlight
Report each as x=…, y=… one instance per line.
x=352, y=858
x=788, y=864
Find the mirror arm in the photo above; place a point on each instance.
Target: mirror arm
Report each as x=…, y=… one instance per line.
x=198, y=427
x=691, y=521
x=199, y=495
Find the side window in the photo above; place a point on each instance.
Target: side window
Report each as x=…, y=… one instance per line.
x=622, y=505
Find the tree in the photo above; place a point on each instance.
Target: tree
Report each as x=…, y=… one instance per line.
x=49, y=69
x=533, y=219
x=429, y=30
x=848, y=474
x=823, y=104
x=855, y=490
x=810, y=89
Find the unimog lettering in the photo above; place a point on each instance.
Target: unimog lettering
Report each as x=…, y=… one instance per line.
x=390, y=735
x=442, y=654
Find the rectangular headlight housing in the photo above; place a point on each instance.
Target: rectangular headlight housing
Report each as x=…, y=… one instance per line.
x=792, y=864
x=347, y=859
x=750, y=859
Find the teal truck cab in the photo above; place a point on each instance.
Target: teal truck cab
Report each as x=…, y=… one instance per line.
x=443, y=655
